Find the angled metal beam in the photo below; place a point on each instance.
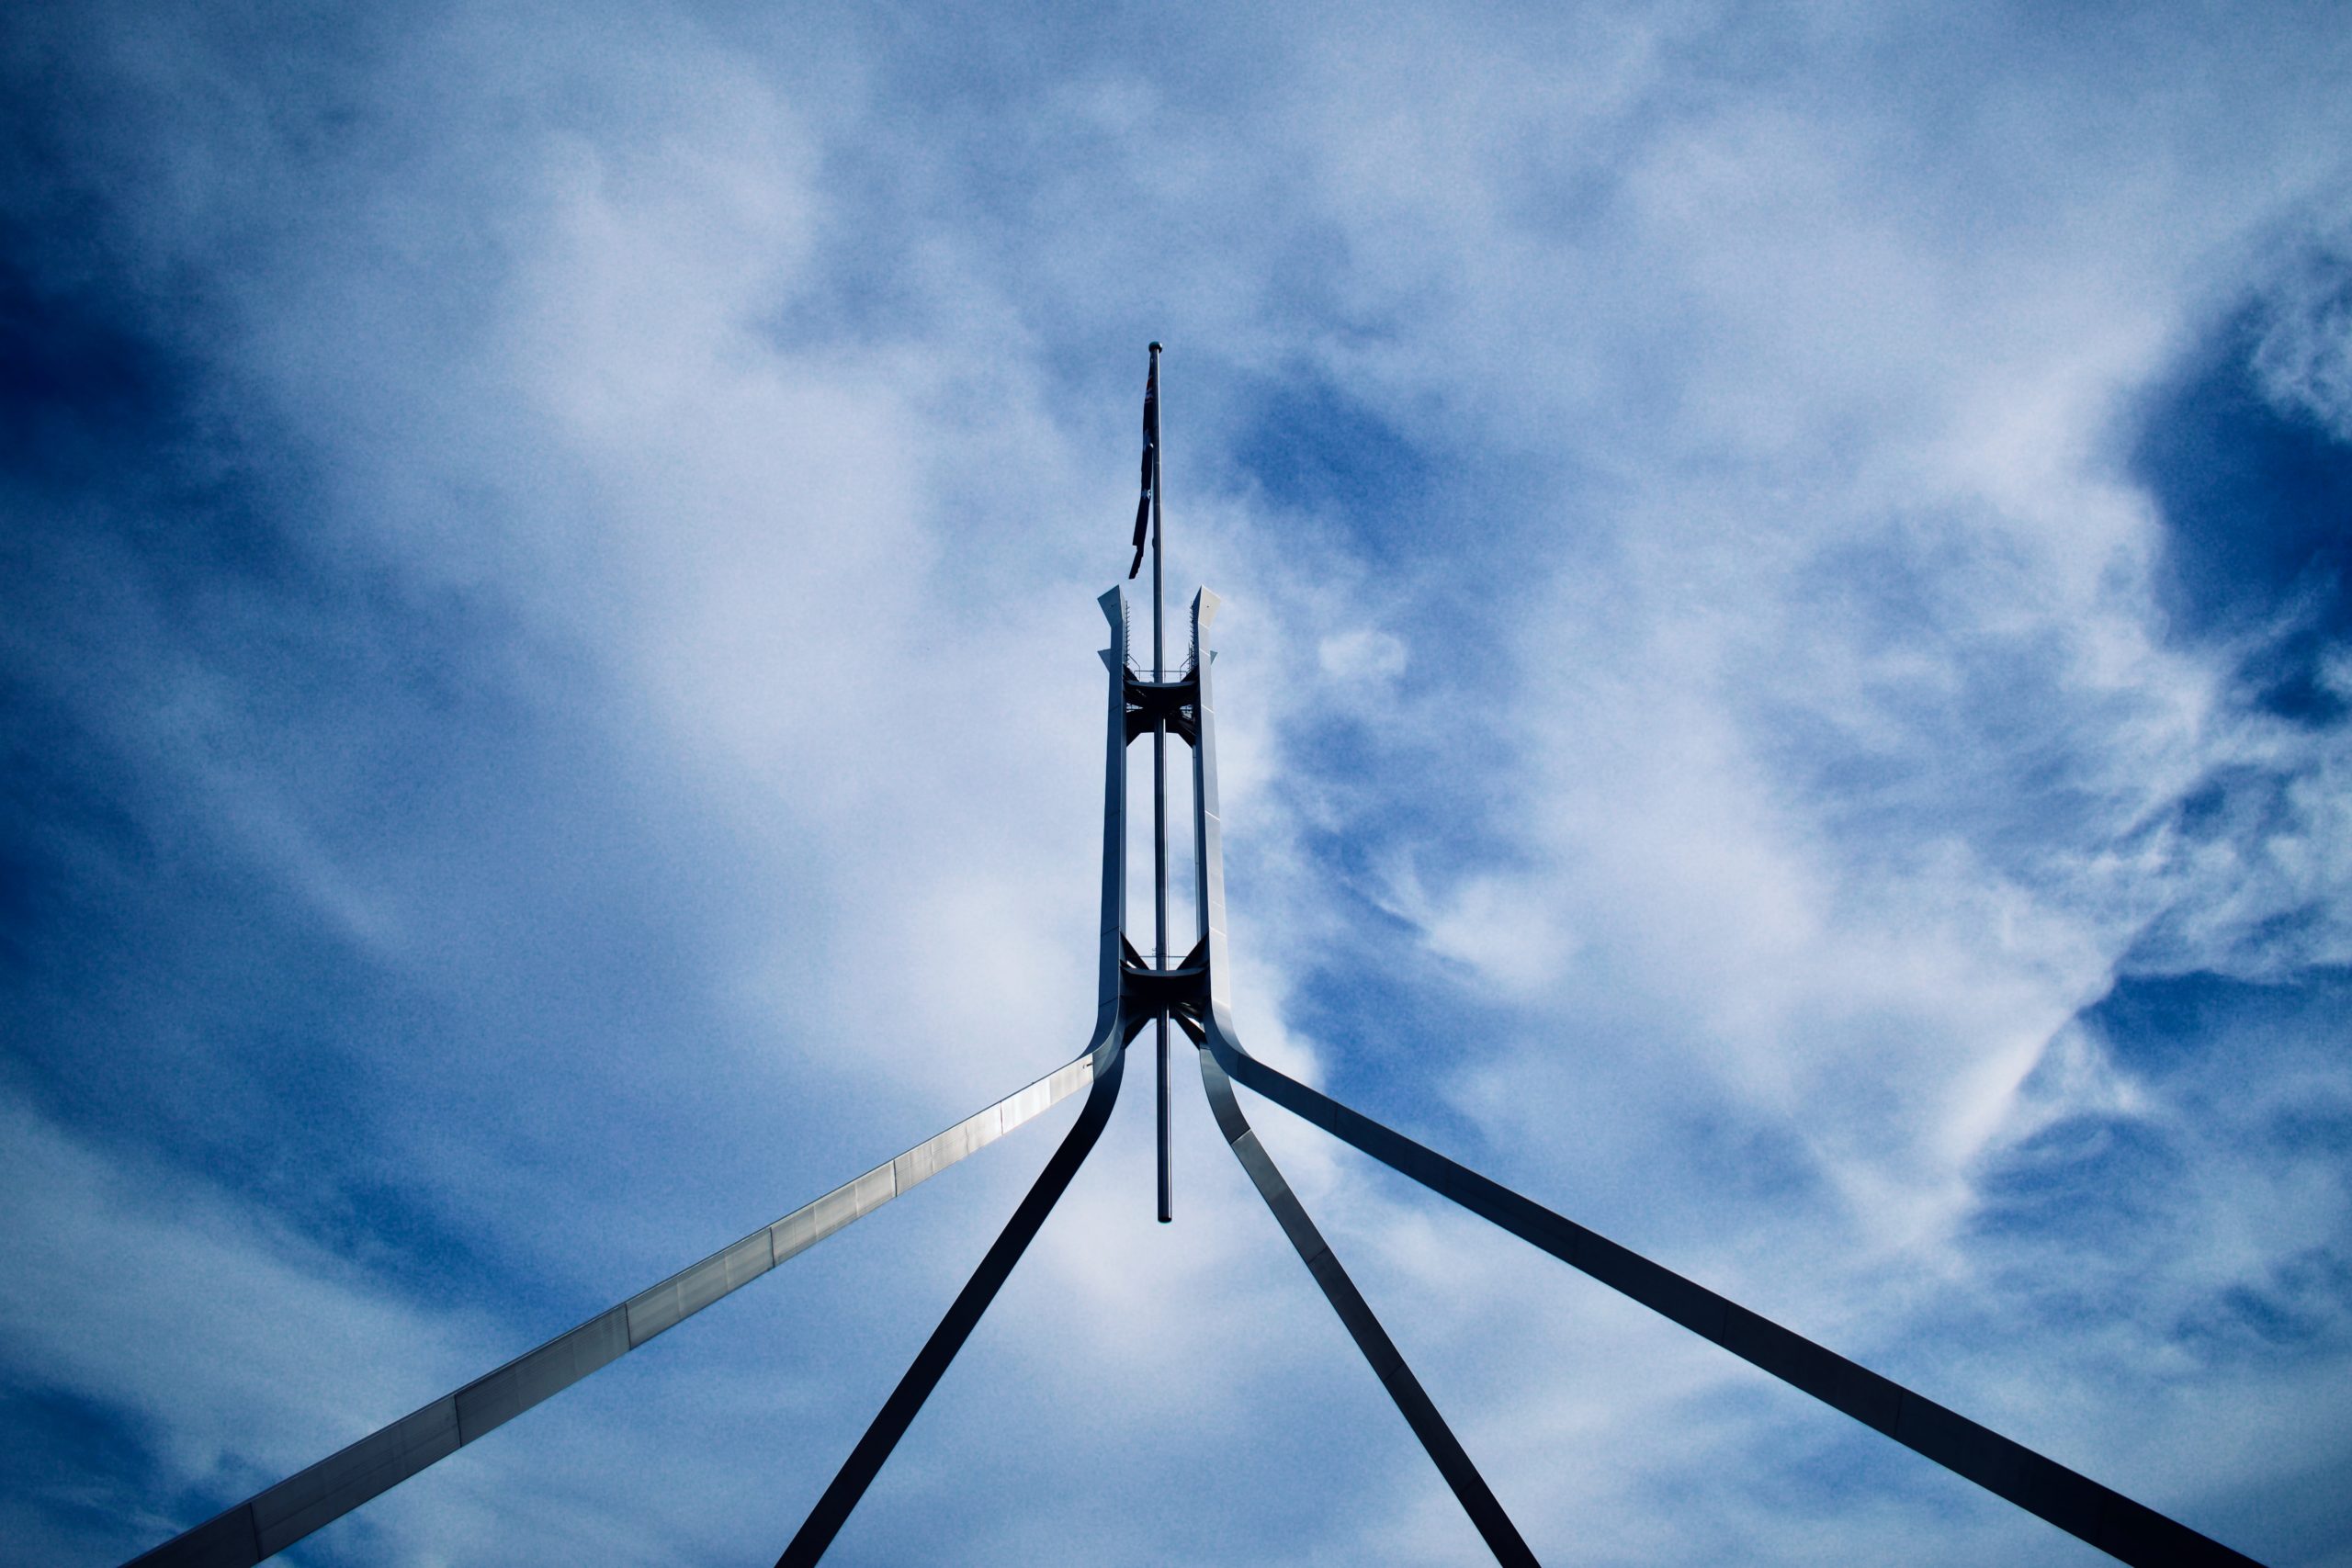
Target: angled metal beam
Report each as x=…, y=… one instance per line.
x=2081, y=1506
x=271, y=1520
x=1388, y=1363
x=898, y=1411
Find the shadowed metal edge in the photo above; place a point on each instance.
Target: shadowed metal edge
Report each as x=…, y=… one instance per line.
x=278, y=1517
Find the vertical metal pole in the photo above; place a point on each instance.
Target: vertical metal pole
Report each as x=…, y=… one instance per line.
x=1159, y=788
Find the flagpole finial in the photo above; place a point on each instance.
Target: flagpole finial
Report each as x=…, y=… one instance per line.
x=1155, y=348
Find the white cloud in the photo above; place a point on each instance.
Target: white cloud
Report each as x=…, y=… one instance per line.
x=2304, y=356
x=247, y=1350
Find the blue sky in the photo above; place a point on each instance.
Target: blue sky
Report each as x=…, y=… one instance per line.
x=1786, y=690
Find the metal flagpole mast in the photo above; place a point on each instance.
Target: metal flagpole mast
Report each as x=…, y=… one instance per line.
x=1158, y=769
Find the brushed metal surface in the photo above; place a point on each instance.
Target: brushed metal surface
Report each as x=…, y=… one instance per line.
x=224, y=1540
x=340, y=1482
x=493, y=1401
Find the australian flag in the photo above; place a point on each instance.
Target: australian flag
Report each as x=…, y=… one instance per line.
x=1151, y=457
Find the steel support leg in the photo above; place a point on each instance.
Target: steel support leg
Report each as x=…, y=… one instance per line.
x=1388, y=1363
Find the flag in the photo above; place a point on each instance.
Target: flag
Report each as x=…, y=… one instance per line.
x=1151, y=457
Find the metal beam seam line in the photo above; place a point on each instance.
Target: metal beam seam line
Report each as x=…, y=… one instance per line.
x=275, y=1518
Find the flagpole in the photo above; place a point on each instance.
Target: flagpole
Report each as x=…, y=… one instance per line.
x=1159, y=787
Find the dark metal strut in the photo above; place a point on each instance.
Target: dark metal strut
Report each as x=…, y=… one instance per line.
x=1388, y=1363
x=1164, y=1207
x=1195, y=995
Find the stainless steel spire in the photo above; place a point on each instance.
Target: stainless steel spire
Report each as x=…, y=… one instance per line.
x=1192, y=992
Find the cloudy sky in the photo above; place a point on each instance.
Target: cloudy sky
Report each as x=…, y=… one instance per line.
x=1786, y=691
